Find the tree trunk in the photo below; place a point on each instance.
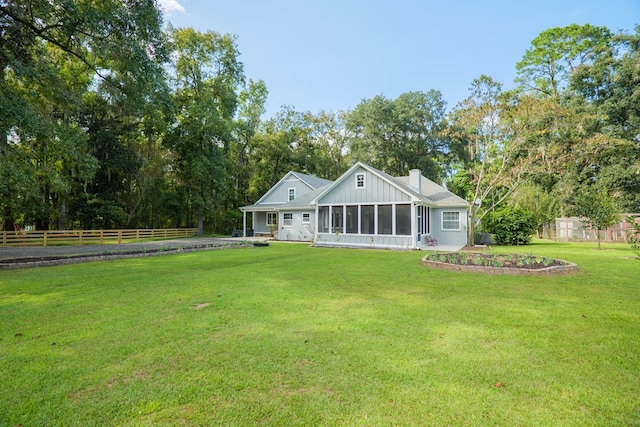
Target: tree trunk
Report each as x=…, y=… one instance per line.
x=7, y=217
x=62, y=214
x=200, y=224
x=471, y=228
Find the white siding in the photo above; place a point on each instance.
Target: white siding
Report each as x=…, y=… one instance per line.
x=447, y=237
x=299, y=231
x=280, y=193
x=362, y=241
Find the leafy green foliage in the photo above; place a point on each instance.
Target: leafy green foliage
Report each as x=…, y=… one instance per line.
x=510, y=225
x=598, y=207
x=402, y=134
x=207, y=78
x=107, y=119
x=557, y=52
x=541, y=204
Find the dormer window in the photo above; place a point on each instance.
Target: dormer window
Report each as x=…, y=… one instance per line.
x=292, y=193
x=360, y=182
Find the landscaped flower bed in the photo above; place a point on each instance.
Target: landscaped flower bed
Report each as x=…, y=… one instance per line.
x=498, y=263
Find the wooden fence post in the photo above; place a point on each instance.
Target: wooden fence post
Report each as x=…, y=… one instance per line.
x=119, y=236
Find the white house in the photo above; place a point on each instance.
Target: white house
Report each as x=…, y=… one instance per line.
x=264, y=212
x=366, y=207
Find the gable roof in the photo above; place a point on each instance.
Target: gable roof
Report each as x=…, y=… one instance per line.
x=382, y=175
x=303, y=202
x=313, y=182
x=431, y=193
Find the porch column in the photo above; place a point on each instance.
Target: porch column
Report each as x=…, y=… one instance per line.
x=414, y=230
x=244, y=223
x=317, y=224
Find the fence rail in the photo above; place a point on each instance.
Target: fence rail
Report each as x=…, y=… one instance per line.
x=83, y=237
x=576, y=229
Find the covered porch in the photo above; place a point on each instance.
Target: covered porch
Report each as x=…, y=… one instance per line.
x=263, y=221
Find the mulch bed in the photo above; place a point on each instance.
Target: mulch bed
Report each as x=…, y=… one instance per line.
x=490, y=263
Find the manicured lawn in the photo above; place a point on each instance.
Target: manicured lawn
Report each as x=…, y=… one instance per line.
x=291, y=335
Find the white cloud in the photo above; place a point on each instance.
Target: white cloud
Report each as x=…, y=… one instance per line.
x=171, y=6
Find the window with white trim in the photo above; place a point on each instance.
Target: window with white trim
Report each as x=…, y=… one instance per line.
x=287, y=219
x=306, y=218
x=360, y=182
x=292, y=193
x=272, y=219
x=451, y=221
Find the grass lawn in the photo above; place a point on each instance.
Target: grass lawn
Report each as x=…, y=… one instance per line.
x=291, y=335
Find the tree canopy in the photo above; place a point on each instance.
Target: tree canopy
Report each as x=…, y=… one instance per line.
x=111, y=119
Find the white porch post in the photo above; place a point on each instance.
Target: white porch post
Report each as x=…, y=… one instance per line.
x=316, y=226
x=244, y=223
x=414, y=234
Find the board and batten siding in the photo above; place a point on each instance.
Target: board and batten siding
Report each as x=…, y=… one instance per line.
x=280, y=194
x=364, y=241
x=376, y=191
x=298, y=231
x=449, y=237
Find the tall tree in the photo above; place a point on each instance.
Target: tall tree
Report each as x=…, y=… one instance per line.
x=207, y=76
x=566, y=78
x=556, y=53
x=329, y=136
x=610, y=87
x=247, y=127
x=274, y=148
x=492, y=162
x=401, y=134
x=119, y=43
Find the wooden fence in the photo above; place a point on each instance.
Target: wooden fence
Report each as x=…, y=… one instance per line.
x=82, y=237
x=575, y=229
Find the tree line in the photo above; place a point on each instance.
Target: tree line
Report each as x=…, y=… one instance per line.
x=111, y=119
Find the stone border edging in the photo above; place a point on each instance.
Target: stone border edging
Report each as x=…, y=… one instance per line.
x=568, y=268
x=77, y=259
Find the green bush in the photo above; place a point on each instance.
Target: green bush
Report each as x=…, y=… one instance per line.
x=510, y=226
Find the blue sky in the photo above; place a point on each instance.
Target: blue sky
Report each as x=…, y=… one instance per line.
x=331, y=54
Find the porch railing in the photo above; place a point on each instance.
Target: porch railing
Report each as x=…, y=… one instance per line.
x=83, y=237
